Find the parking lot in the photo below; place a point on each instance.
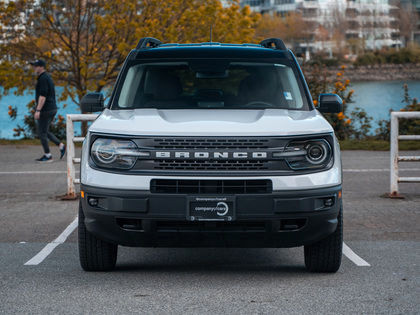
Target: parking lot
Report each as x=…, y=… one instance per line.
x=380, y=272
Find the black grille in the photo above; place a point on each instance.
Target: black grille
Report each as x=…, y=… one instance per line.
x=175, y=186
x=236, y=226
x=209, y=143
x=210, y=165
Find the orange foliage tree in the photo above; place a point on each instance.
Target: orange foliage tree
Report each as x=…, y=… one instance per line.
x=292, y=28
x=85, y=42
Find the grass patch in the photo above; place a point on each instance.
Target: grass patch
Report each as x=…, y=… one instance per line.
x=377, y=145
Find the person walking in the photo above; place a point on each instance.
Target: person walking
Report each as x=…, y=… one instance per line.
x=45, y=110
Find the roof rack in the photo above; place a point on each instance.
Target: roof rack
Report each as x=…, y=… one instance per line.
x=148, y=42
x=277, y=42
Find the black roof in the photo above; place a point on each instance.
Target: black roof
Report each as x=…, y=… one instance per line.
x=149, y=47
x=210, y=51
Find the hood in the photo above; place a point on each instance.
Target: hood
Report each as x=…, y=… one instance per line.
x=211, y=122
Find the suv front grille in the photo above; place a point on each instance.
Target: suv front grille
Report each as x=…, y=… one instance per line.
x=227, y=156
x=174, y=186
x=210, y=165
x=211, y=143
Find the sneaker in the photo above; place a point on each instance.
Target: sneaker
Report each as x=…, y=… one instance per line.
x=62, y=151
x=44, y=159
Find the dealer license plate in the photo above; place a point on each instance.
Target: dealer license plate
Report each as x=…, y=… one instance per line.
x=209, y=208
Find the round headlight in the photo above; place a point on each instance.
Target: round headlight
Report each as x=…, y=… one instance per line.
x=104, y=150
x=316, y=152
x=114, y=153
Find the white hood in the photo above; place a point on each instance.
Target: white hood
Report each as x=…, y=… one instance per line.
x=211, y=122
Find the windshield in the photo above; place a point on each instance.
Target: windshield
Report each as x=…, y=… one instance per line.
x=210, y=84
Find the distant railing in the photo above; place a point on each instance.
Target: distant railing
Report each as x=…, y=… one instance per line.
x=71, y=158
x=395, y=158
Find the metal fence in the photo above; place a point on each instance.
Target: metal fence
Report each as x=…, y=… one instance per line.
x=395, y=158
x=71, y=153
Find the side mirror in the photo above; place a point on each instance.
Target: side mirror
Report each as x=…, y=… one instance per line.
x=330, y=103
x=92, y=102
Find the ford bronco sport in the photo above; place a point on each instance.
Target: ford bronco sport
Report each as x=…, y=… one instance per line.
x=211, y=145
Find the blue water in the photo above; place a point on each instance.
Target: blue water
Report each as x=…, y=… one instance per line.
x=377, y=98
x=7, y=124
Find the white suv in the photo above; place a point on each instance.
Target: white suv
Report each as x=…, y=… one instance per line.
x=211, y=145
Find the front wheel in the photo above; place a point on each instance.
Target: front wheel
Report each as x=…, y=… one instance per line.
x=325, y=255
x=94, y=254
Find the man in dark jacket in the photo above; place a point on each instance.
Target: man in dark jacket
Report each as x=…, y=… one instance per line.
x=45, y=110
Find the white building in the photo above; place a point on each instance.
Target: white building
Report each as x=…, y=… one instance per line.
x=372, y=21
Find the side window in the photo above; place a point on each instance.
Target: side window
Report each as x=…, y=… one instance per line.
x=131, y=87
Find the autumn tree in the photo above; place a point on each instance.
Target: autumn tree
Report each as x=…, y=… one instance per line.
x=292, y=28
x=85, y=42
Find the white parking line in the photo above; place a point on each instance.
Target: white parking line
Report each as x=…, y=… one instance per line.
x=39, y=258
x=347, y=251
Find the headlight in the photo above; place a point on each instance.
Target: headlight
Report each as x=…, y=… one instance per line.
x=113, y=153
x=310, y=154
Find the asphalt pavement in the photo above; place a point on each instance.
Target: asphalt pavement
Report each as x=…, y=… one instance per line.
x=383, y=232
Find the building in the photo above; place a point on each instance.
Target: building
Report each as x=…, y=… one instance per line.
x=414, y=7
x=371, y=22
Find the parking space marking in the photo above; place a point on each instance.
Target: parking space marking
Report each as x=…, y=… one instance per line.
x=39, y=258
x=348, y=252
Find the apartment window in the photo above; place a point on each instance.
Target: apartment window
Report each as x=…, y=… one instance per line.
x=253, y=3
x=278, y=2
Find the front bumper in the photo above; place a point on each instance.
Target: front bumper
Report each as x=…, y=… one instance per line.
x=277, y=219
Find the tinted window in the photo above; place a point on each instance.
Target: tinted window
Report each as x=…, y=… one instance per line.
x=211, y=84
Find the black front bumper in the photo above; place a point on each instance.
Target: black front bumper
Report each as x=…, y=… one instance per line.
x=277, y=219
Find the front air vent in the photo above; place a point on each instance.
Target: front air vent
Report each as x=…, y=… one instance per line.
x=174, y=186
x=249, y=165
x=211, y=143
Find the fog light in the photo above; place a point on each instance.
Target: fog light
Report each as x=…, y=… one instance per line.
x=328, y=202
x=93, y=202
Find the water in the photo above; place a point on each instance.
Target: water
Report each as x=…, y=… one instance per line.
x=7, y=125
x=377, y=98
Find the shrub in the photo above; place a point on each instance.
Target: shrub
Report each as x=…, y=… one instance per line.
x=401, y=56
x=355, y=125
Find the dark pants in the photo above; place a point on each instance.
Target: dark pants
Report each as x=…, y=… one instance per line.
x=43, y=124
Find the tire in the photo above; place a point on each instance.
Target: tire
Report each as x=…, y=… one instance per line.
x=325, y=255
x=94, y=254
